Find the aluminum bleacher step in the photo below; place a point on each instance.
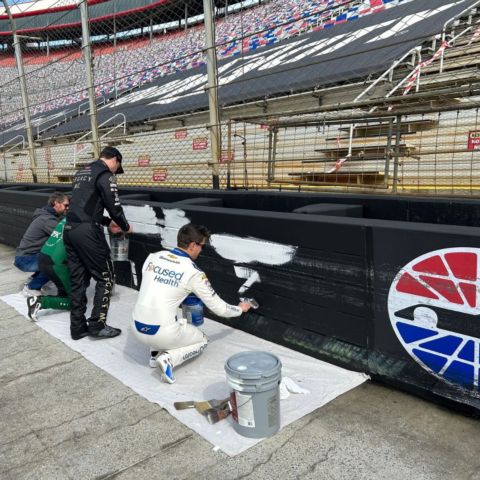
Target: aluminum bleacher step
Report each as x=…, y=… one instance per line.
x=86, y=156
x=122, y=141
x=373, y=177
x=381, y=129
x=362, y=152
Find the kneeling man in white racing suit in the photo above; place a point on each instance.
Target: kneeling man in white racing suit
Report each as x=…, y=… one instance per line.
x=168, y=278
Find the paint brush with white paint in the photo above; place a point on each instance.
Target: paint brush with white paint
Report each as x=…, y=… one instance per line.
x=253, y=303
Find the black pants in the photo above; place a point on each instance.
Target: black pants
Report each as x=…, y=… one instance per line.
x=58, y=274
x=88, y=256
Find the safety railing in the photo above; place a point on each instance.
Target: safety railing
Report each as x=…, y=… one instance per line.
x=80, y=147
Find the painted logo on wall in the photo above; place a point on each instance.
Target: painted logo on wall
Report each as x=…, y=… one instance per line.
x=433, y=304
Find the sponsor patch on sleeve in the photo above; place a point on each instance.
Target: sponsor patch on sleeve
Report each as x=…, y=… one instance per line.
x=207, y=284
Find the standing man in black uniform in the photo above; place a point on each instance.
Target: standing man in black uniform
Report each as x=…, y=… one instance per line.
x=88, y=254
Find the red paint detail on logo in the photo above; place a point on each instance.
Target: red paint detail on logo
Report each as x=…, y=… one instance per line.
x=408, y=284
x=446, y=288
x=463, y=265
x=433, y=265
x=470, y=292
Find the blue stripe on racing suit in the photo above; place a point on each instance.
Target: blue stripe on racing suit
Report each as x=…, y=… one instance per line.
x=146, y=329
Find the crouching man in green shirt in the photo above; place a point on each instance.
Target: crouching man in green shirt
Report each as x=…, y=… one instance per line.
x=52, y=262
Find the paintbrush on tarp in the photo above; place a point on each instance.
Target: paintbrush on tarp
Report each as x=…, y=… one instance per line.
x=202, y=406
x=214, y=415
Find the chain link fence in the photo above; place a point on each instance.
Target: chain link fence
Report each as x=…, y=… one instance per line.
x=431, y=153
x=409, y=128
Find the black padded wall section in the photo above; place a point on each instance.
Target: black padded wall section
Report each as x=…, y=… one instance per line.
x=384, y=285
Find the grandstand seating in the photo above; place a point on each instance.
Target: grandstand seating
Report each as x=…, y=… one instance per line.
x=432, y=148
x=54, y=80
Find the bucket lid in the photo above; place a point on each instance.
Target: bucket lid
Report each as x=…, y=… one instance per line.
x=253, y=365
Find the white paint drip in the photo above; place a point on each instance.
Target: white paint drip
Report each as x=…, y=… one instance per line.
x=251, y=249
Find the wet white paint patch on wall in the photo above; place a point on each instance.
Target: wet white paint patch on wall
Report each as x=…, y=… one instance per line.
x=143, y=219
x=251, y=249
x=231, y=247
x=249, y=274
x=173, y=221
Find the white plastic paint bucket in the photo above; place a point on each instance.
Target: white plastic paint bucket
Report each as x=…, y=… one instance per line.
x=119, y=247
x=254, y=378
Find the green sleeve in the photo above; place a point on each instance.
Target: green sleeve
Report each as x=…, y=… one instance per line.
x=54, y=246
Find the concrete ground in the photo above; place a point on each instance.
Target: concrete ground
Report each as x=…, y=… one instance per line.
x=63, y=418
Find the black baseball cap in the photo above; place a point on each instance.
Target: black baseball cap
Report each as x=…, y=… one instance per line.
x=110, y=152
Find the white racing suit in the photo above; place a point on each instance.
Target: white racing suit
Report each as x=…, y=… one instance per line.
x=168, y=278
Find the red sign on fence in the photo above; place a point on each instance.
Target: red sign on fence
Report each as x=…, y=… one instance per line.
x=143, y=160
x=48, y=157
x=200, y=143
x=159, y=175
x=181, y=133
x=473, y=140
x=20, y=171
x=225, y=158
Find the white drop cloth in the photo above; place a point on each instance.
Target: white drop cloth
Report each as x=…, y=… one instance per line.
x=201, y=379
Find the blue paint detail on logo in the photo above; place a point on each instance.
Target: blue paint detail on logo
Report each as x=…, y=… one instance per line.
x=459, y=372
x=435, y=362
x=446, y=345
x=468, y=352
x=146, y=329
x=439, y=349
x=411, y=333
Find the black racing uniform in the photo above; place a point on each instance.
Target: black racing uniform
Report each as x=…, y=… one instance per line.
x=88, y=254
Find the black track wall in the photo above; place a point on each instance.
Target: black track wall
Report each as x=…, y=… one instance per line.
x=332, y=299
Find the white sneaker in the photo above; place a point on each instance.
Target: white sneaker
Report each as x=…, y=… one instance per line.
x=153, y=359
x=165, y=364
x=30, y=292
x=34, y=305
